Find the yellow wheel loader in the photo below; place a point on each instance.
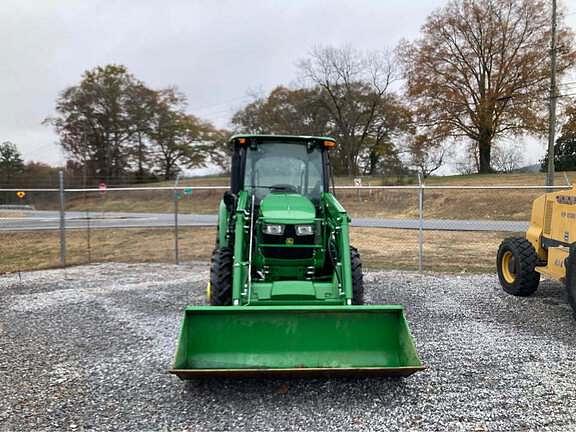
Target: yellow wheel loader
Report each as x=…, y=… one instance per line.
x=548, y=249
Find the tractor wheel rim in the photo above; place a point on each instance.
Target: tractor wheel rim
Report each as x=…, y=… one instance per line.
x=508, y=267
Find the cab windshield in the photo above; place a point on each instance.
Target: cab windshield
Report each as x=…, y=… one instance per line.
x=284, y=167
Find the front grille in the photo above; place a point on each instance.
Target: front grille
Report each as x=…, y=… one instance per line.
x=288, y=253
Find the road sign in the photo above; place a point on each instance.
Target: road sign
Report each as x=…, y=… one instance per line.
x=357, y=181
x=20, y=194
x=102, y=187
x=188, y=191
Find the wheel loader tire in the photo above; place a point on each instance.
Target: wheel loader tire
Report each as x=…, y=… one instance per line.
x=515, y=262
x=357, y=278
x=221, y=277
x=570, y=265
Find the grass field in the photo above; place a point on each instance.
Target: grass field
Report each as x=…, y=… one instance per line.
x=442, y=204
x=380, y=248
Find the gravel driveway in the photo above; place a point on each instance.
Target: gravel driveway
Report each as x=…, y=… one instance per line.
x=88, y=348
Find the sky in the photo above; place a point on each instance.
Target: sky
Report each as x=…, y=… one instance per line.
x=216, y=52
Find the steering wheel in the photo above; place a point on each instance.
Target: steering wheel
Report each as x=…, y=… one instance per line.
x=284, y=188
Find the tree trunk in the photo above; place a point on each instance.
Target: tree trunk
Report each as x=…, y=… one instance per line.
x=140, y=177
x=484, y=150
x=168, y=165
x=373, y=159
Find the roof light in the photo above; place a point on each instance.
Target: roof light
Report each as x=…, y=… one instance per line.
x=329, y=144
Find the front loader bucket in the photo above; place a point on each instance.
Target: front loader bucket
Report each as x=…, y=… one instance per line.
x=295, y=340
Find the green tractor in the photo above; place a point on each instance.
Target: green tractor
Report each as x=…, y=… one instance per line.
x=285, y=287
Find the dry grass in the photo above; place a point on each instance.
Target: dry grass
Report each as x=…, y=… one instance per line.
x=442, y=204
x=443, y=250
x=200, y=202
x=41, y=249
x=380, y=248
x=7, y=214
x=517, y=179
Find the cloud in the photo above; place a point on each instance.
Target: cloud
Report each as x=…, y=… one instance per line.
x=213, y=51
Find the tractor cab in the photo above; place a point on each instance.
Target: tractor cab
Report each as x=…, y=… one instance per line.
x=285, y=178
x=270, y=164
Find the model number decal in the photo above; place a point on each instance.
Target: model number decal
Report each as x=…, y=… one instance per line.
x=566, y=199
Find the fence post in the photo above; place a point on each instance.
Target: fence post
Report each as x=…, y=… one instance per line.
x=62, y=221
x=420, y=223
x=176, y=197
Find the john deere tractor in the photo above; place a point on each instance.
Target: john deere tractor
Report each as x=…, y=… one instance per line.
x=548, y=248
x=285, y=287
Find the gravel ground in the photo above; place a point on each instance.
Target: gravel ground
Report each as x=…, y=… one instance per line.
x=88, y=348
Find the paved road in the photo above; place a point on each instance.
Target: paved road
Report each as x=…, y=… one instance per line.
x=49, y=220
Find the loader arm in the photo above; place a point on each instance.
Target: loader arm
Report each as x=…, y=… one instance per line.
x=338, y=222
x=240, y=269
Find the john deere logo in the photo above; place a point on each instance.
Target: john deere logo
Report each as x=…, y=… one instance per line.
x=289, y=241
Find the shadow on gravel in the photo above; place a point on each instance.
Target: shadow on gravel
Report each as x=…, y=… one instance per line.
x=291, y=388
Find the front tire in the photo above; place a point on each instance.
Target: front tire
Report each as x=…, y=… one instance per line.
x=515, y=262
x=357, y=278
x=221, y=277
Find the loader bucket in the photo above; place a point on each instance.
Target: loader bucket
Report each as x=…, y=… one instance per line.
x=295, y=340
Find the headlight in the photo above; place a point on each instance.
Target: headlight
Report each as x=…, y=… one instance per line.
x=303, y=230
x=274, y=229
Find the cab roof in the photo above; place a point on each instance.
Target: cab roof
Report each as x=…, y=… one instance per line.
x=267, y=137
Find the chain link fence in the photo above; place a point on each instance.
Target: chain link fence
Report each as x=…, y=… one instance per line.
x=416, y=227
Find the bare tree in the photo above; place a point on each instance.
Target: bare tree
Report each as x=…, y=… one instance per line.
x=467, y=161
x=480, y=69
x=354, y=86
x=426, y=154
x=507, y=158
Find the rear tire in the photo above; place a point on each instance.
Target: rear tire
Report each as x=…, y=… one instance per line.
x=515, y=262
x=357, y=278
x=570, y=264
x=221, y=277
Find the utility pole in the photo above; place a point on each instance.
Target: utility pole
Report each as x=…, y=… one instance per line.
x=552, y=104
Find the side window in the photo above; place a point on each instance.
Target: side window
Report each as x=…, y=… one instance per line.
x=314, y=175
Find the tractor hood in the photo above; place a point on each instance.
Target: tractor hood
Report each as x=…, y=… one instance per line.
x=287, y=208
